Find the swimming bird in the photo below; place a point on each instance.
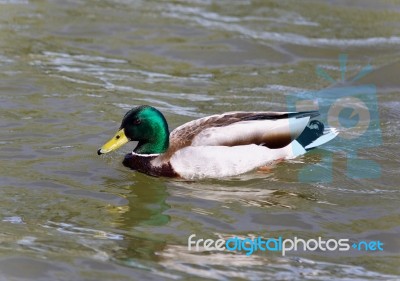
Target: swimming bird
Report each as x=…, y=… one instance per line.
x=215, y=146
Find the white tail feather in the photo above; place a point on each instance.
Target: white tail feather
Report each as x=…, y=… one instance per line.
x=329, y=134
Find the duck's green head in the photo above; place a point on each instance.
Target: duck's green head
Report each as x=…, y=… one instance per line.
x=144, y=124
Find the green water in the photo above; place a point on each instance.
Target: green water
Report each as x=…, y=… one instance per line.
x=69, y=70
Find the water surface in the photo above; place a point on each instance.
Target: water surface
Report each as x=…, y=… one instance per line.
x=69, y=70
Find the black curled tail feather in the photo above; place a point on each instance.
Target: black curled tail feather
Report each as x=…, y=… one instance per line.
x=313, y=131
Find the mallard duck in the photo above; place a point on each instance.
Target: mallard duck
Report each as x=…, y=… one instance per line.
x=216, y=146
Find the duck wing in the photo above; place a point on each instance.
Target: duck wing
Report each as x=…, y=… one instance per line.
x=272, y=129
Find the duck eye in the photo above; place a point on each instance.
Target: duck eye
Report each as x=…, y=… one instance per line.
x=137, y=121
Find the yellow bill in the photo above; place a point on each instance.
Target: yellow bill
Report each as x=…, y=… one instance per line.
x=116, y=142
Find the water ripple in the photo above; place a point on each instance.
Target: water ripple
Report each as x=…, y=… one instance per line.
x=208, y=20
x=82, y=231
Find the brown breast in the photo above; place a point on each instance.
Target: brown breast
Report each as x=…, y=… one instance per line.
x=143, y=164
